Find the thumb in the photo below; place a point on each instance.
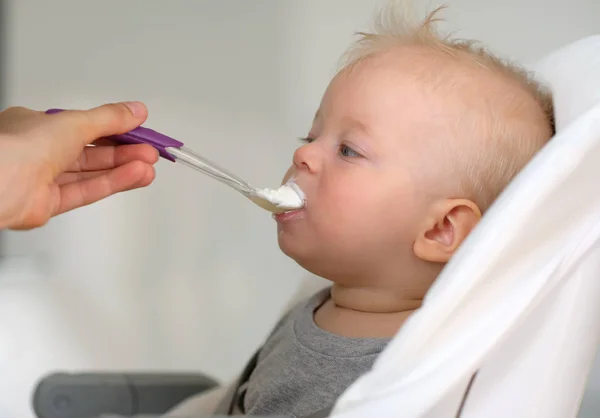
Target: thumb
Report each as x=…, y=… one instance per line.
x=106, y=120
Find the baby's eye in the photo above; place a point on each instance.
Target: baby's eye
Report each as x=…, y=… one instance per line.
x=346, y=151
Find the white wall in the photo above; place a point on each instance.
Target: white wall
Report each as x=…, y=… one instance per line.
x=186, y=275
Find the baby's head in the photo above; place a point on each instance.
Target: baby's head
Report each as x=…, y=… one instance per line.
x=413, y=140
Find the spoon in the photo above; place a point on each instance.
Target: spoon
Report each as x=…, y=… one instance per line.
x=288, y=197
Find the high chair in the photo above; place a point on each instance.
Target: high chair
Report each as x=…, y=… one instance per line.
x=511, y=326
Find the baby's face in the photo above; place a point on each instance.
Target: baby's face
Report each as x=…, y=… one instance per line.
x=362, y=172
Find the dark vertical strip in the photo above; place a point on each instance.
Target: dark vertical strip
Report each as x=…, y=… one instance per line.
x=3, y=50
x=465, y=396
x=3, y=75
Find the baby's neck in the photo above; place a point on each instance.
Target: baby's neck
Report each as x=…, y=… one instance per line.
x=373, y=300
x=365, y=312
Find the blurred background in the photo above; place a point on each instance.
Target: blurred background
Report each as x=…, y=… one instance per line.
x=186, y=274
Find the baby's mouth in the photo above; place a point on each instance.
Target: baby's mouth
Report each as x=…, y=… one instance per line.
x=288, y=197
x=292, y=213
x=289, y=216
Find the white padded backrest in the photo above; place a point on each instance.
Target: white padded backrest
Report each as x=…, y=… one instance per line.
x=511, y=326
x=573, y=73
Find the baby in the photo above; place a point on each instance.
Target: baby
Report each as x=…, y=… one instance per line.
x=413, y=140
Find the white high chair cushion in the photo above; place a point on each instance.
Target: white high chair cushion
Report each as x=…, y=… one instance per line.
x=511, y=326
x=201, y=405
x=573, y=73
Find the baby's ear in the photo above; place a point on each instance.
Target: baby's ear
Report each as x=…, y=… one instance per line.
x=445, y=228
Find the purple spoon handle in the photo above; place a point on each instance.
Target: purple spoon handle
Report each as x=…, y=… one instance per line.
x=143, y=135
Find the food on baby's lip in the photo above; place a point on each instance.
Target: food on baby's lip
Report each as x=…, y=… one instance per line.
x=287, y=197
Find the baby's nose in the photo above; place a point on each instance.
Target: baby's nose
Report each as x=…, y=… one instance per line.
x=307, y=158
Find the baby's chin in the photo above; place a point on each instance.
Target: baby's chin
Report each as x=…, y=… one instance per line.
x=301, y=252
x=287, y=244
x=308, y=257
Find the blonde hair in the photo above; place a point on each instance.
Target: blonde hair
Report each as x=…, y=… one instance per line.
x=487, y=172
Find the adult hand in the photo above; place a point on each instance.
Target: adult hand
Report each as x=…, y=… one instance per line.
x=46, y=167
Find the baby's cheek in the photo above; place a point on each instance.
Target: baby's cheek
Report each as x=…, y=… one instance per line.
x=344, y=200
x=374, y=210
x=342, y=194
x=358, y=201
x=348, y=213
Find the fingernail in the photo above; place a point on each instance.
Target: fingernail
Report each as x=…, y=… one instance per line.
x=136, y=108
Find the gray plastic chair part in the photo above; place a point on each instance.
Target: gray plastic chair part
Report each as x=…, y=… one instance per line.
x=89, y=395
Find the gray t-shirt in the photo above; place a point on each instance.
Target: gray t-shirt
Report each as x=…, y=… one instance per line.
x=303, y=369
